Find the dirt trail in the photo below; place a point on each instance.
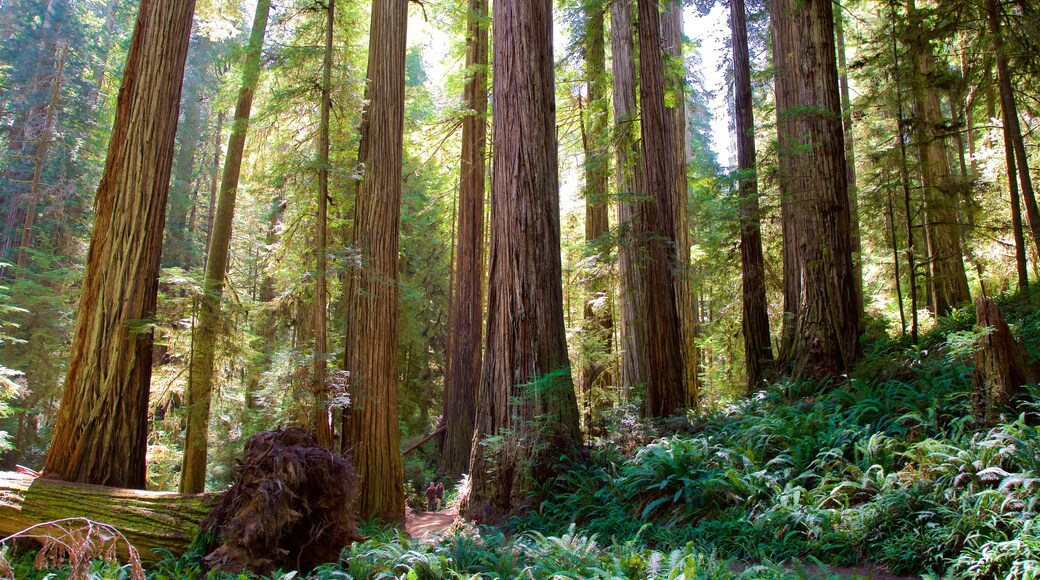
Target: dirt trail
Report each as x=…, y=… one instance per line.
x=425, y=526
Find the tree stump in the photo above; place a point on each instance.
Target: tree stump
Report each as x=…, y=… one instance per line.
x=1001, y=365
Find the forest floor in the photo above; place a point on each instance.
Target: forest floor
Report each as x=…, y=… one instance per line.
x=426, y=526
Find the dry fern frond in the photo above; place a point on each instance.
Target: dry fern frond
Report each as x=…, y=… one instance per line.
x=75, y=541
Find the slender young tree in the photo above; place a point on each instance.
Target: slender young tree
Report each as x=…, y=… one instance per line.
x=527, y=412
x=758, y=352
x=370, y=429
x=850, y=160
x=204, y=345
x=321, y=421
x=460, y=393
x=654, y=225
x=101, y=435
x=1012, y=126
x=41, y=156
x=824, y=337
x=599, y=320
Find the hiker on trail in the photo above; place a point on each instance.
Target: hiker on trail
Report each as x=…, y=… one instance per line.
x=440, y=494
x=431, y=497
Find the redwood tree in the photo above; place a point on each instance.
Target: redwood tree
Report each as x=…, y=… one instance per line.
x=527, y=413
x=460, y=389
x=654, y=226
x=823, y=334
x=598, y=319
x=758, y=354
x=675, y=115
x=101, y=435
x=949, y=283
x=370, y=429
x=629, y=179
x=200, y=382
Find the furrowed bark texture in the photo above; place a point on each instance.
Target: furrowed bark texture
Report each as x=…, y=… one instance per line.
x=824, y=340
x=527, y=414
x=100, y=435
x=655, y=227
x=675, y=114
x=943, y=232
x=850, y=161
x=149, y=520
x=758, y=352
x=629, y=177
x=598, y=317
x=200, y=384
x=1001, y=365
x=460, y=394
x=370, y=429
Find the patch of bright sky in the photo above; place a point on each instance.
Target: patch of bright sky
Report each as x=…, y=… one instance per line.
x=710, y=33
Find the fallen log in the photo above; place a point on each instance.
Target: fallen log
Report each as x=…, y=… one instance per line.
x=420, y=442
x=150, y=520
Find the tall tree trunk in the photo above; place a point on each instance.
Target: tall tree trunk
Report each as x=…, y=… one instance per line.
x=758, y=352
x=321, y=419
x=460, y=393
x=371, y=430
x=675, y=84
x=850, y=163
x=200, y=384
x=825, y=339
x=654, y=225
x=100, y=435
x=629, y=177
x=1012, y=127
x=891, y=214
x=904, y=177
x=41, y=156
x=526, y=400
x=949, y=283
x=214, y=186
x=598, y=318
x=1021, y=263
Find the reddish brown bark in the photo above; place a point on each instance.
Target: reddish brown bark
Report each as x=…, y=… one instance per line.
x=823, y=329
x=654, y=225
x=370, y=429
x=675, y=85
x=1001, y=365
x=527, y=415
x=949, y=282
x=758, y=352
x=460, y=392
x=598, y=325
x=100, y=435
x=634, y=363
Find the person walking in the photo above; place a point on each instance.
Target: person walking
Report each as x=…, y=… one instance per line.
x=440, y=494
x=431, y=497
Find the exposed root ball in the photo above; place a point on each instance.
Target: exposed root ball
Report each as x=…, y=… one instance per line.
x=293, y=506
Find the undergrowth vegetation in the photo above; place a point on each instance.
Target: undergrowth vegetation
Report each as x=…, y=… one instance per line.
x=885, y=468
